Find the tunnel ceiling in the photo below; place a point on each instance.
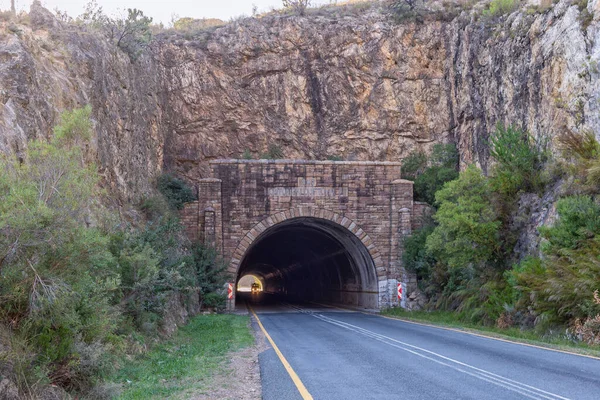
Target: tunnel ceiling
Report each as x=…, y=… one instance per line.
x=313, y=259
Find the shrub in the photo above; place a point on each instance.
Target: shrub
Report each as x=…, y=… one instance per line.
x=429, y=177
x=559, y=287
x=70, y=291
x=584, y=151
x=297, y=6
x=519, y=160
x=588, y=330
x=467, y=235
x=75, y=125
x=273, y=153
x=498, y=8
x=215, y=301
x=175, y=191
x=414, y=165
x=247, y=155
x=579, y=221
x=415, y=257
x=209, y=269
x=58, y=278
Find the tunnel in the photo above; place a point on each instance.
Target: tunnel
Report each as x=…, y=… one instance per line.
x=312, y=260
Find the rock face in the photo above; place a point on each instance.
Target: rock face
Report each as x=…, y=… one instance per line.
x=357, y=88
x=48, y=66
x=359, y=85
x=367, y=88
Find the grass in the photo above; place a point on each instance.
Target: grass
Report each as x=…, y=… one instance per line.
x=187, y=361
x=450, y=320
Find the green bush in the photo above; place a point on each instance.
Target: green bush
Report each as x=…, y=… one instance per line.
x=468, y=230
x=209, y=268
x=414, y=165
x=415, y=256
x=77, y=283
x=579, y=221
x=273, y=153
x=519, y=161
x=75, y=125
x=583, y=152
x=247, y=155
x=497, y=8
x=58, y=278
x=560, y=286
x=430, y=176
x=176, y=191
x=215, y=301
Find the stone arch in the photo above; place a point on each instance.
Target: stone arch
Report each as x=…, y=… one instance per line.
x=308, y=212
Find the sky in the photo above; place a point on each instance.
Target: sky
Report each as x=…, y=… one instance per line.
x=162, y=11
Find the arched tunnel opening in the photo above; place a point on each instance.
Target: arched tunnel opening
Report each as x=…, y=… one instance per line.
x=312, y=260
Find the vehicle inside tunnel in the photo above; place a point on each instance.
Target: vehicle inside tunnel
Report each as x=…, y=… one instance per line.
x=311, y=260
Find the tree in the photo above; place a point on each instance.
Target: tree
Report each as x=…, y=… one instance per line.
x=467, y=235
x=297, y=6
x=131, y=34
x=13, y=9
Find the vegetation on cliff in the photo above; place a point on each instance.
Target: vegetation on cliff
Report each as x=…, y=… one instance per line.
x=465, y=258
x=79, y=284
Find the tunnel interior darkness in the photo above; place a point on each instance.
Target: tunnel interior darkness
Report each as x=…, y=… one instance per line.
x=312, y=259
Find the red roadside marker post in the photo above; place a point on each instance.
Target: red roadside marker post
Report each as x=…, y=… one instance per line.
x=230, y=295
x=400, y=299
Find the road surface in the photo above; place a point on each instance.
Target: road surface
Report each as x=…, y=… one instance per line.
x=337, y=354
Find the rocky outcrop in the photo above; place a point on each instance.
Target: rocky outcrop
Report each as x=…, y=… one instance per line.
x=358, y=88
x=358, y=85
x=48, y=66
x=370, y=88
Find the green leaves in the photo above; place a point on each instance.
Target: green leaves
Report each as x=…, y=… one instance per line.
x=468, y=228
x=131, y=34
x=560, y=286
x=579, y=220
x=430, y=176
x=519, y=160
x=175, y=191
x=75, y=125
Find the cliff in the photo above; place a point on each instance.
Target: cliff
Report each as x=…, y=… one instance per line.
x=355, y=84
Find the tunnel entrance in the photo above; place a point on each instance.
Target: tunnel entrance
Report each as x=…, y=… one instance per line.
x=312, y=259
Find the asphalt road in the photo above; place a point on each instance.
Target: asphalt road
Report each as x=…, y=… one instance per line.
x=349, y=355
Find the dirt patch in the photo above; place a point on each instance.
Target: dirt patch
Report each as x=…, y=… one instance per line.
x=240, y=378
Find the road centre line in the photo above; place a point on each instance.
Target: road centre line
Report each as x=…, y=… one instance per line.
x=519, y=387
x=515, y=386
x=299, y=385
x=466, y=332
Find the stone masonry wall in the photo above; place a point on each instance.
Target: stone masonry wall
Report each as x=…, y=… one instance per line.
x=253, y=190
x=245, y=197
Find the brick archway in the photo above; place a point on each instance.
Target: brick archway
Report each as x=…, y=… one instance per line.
x=365, y=202
x=318, y=213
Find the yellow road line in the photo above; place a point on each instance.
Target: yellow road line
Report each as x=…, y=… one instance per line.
x=483, y=335
x=299, y=385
